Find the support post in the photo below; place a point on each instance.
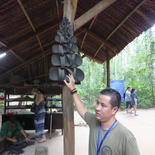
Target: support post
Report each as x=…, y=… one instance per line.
x=68, y=121
x=108, y=69
x=68, y=110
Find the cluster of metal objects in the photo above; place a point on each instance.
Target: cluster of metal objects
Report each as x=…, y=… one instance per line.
x=65, y=58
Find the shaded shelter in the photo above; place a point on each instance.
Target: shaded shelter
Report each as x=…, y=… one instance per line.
x=102, y=27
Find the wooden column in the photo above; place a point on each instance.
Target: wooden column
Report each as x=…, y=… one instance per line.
x=108, y=73
x=68, y=109
x=70, y=9
x=108, y=68
x=68, y=121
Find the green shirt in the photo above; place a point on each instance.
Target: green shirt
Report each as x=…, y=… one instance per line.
x=119, y=141
x=10, y=131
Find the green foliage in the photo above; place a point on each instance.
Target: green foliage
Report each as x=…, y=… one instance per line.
x=92, y=83
x=135, y=65
x=139, y=71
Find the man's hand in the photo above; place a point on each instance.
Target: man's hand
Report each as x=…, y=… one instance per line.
x=71, y=82
x=27, y=139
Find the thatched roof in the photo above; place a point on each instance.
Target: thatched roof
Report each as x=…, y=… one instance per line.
x=28, y=29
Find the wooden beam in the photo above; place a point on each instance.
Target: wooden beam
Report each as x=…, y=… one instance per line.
x=112, y=47
x=68, y=119
x=3, y=68
x=11, y=52
x=125, y=19
x=68, y=109
x=120, y=24
x=57, y=8
x=79, y=32
x=92, y=13
x=26, y=63
x=16, y=55
x=26, y=14
x=48, y=51
x=70, y=9
x=2, y=44
x=30, y=22
x=83, y=40
x=108, y=68
x=29, y=37
x=89, y=55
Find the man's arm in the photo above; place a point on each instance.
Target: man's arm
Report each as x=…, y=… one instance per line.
x=79, y=105
x=11, y=139
x=24, y=134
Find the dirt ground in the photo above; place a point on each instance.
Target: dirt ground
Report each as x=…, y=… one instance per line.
x=142, y=126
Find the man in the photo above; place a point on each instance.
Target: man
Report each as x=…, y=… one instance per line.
x=13, y=131
x=107, y=136
x=128, y=98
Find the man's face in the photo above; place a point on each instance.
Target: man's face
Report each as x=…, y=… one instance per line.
x=103, y=108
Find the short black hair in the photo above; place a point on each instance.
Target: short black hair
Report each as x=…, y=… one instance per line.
x=13, y=120
x=132, y=90
x=114, y=95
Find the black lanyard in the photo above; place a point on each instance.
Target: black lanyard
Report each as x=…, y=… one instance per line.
x=99, y=143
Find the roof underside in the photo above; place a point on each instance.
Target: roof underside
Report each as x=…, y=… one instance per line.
x=28, y=29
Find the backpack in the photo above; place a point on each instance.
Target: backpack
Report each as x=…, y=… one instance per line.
x=124, y=95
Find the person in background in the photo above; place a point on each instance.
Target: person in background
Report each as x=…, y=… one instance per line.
x=13, y=131
x=133, y=101
x=128, y=98
x=39, y=119
x=107, y=135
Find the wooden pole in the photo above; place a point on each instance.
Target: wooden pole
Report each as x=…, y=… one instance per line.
x=70, y=9
x=68, y=121
x=108, y=69
x=68, y=110
x=108, y=73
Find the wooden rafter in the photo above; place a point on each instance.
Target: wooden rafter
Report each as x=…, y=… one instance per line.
x=3, y=68
x=90, y=56
x=38, y=76
x=16, y=55
x=90, y=14
x=29, y=37
x=57, y=6
x=30, y=22
x=120, y=24
x=2, y=44
x=125, y=19
x=86, y=33
x=10, y=51
x=28, y=62
x=112, y=47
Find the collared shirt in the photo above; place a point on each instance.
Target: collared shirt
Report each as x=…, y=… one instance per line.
x=127, y=96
